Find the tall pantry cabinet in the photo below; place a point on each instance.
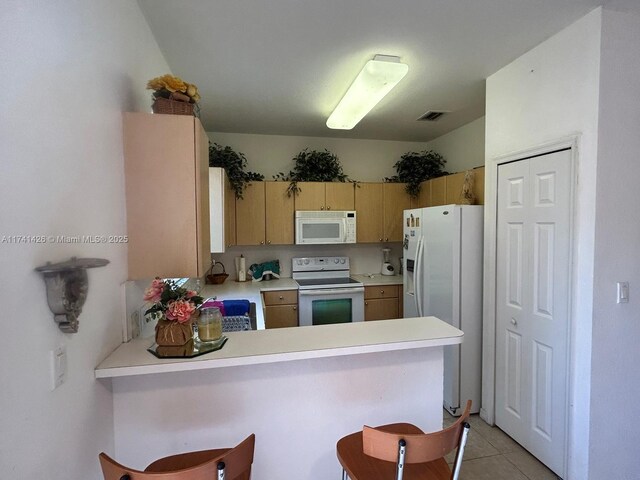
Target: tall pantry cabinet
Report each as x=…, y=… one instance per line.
x=167, y=195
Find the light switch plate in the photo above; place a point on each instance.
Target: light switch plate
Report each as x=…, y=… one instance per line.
x=623, y=292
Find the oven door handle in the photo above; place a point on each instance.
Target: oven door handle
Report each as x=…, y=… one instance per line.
x=330, y=291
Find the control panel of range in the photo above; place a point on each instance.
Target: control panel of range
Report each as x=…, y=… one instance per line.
x=319, y=264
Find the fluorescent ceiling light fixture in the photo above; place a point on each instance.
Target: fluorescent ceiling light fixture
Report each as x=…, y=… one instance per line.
x=377, y=78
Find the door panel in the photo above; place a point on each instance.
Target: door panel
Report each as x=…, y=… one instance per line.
x=368, y=205
x=279, y=214
x=310, y=196
x=339, y=196
x=513, y=380
x=532, y=303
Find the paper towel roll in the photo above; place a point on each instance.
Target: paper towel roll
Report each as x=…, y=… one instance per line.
x=242, y=272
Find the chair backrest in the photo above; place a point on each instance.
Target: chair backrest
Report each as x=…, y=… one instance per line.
x=419, y=448
x=201, y=465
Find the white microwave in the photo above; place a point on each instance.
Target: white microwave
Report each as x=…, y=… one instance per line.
x=324, y=227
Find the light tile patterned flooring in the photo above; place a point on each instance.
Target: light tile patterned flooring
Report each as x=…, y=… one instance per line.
x=491, y=454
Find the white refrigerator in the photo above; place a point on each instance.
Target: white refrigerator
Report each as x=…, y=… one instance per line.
x=442, y=277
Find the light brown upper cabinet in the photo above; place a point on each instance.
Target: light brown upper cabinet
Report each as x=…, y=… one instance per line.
x=379, y=208
x=438, y=191
x=250, y=215
x=478, y=185
x=279, y=214
x=396, y=201
x=265, y=215
x=424, y=197
x=167, y=195
x=453, y=190
x=369, y=216
x=325, y=196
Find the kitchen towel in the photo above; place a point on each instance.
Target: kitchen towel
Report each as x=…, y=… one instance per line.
x=260, y=270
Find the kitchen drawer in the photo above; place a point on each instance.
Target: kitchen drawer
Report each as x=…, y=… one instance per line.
x=381, y=291
x=280, y=297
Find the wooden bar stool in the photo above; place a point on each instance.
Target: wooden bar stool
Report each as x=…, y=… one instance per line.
x=403, y=451
x=221, y=464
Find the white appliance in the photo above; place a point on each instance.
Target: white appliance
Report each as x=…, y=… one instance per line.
x=326, y=293
x=387, y=268
x=325, y=227
x=442, y=277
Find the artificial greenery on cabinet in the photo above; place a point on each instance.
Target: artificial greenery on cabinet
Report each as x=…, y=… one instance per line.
x=416, y=167
x=313, y=166
x=234, y=163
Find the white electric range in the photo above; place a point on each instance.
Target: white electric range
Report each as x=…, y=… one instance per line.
x=326, y=292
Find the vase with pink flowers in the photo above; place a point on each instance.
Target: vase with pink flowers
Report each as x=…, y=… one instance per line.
x=175, y=307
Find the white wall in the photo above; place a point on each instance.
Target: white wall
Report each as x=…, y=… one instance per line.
x=549, y=93
x=70, y=69
x=463, y=147
x=616, y=327
x=362, y=160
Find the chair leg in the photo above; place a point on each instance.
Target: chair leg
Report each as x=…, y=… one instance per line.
x=344, y=474
x=457, y=464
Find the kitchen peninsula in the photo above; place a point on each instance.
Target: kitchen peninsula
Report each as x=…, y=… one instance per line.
x=298, y=389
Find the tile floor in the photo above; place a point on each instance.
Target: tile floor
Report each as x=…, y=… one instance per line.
x=492, y=455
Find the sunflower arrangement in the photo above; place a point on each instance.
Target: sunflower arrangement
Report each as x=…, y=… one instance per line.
x=174, y=88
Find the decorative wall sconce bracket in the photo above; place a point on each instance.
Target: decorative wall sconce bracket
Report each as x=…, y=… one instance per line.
x=67, y=285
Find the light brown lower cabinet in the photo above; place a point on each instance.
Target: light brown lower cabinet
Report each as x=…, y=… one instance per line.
x=281, y=308
x=382, y=302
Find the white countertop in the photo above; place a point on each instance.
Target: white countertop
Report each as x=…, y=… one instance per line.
x=286, y=344
x=377, y=279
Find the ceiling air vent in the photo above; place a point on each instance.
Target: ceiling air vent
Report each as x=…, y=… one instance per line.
x=430, y=116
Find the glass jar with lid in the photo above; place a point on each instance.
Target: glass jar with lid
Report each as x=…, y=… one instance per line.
x=209, y=324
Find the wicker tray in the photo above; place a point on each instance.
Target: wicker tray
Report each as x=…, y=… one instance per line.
x=173, y=107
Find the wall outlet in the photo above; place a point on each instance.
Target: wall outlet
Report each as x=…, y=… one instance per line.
x=58, y=366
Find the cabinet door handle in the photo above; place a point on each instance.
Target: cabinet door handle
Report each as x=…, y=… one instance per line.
x=281, y=297
x=328, y=208
x=381, y=292
x=262, y=242
x=366, y=303
x=386, y=239
x=269, y=242
x=295, y=308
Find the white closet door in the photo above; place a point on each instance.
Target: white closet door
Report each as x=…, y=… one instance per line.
x=532, y=303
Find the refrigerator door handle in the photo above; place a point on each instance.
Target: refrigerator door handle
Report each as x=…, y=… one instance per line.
x=418, y=276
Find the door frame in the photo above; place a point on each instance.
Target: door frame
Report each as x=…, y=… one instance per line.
x=487, y=411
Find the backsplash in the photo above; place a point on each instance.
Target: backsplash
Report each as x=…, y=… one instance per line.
x=364, y=258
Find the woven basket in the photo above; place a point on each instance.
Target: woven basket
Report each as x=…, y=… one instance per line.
x=216, y=278
x=173, y=107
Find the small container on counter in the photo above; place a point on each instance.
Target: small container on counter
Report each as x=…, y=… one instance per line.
x=209, y=324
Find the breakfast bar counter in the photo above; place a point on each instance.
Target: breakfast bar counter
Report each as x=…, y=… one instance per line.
x=298, y=389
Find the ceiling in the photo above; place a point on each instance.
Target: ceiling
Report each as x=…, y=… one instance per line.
x=281, y=66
